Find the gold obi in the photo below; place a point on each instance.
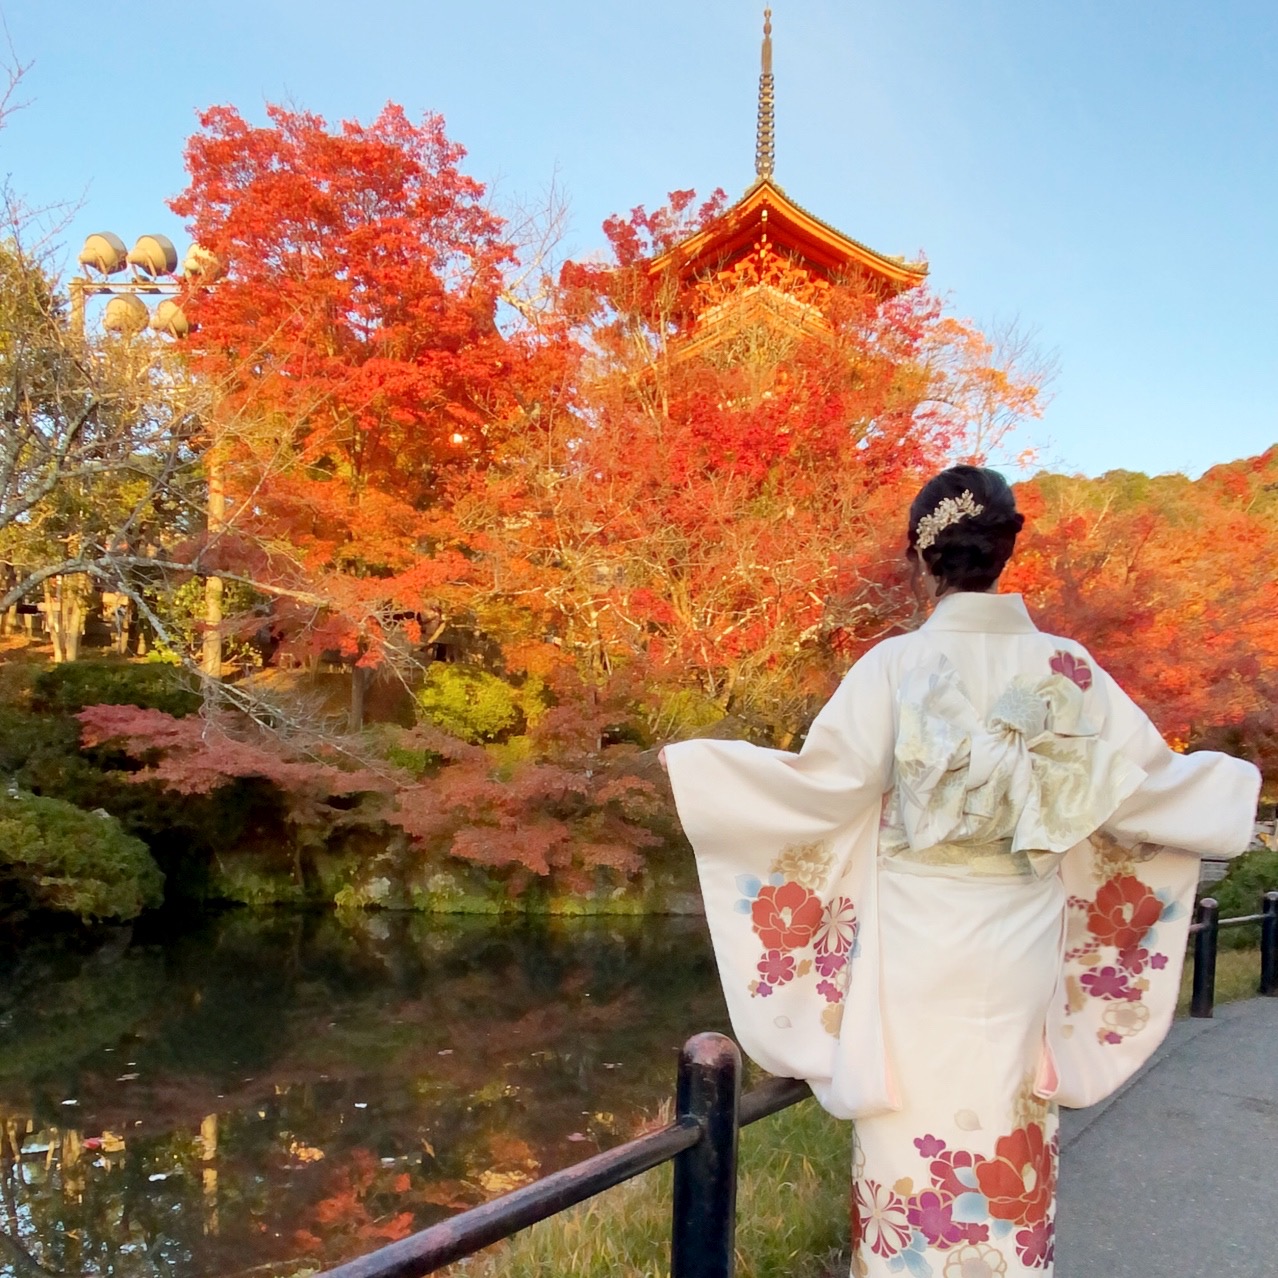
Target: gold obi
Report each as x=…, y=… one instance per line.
x=993, y=860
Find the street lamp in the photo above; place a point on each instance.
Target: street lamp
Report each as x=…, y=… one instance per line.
x=154, y=263
x=154, y=273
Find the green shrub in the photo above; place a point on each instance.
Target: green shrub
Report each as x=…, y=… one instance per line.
x=56, y=856
x=468, y=702
x=1240, y=891
x=684, y=713
x=24, y=737
x=68, y=688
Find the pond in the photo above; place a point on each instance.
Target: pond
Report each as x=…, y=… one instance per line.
x=269, y=1094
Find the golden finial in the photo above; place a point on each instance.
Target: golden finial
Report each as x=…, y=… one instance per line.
x=765, y=145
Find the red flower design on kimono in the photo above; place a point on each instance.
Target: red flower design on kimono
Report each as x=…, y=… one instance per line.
x=1019, y=1180
x=931, y=1212
x=785, y=917
x=1123, y=911
x=945, y=1168
x=776, y=967
x=1036, y=1246
x=1075, y=669
x=880, y=1217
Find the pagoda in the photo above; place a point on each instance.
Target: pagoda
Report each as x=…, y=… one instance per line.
x=766, y=259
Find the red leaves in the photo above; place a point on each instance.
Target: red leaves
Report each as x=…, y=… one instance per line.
x=355, y=335
x=195, y=755
x=560, y=813
x=363, y=1206
x=648, y=480
x=723, y=468
x=363, y=278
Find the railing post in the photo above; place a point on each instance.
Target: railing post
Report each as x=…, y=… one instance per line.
x=1203, y=994
x=1269, y=945
x=705, y=1176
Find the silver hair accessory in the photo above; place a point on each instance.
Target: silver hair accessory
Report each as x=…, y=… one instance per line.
x=947, y=512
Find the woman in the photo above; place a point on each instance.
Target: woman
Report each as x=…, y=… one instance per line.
x=964, y=902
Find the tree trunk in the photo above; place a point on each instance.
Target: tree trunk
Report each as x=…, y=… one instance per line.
x=117, y=608
x=72, y=618
x=360, y=678
x=53, y=617
x=64, y=600
x=212, y=657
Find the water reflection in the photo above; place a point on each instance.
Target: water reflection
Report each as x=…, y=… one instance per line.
x=276, y=1093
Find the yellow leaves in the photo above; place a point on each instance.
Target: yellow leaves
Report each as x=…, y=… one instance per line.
x=513, y=1164
x=496, y=1182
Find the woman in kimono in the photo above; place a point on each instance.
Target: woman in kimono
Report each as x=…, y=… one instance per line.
x=963, y=902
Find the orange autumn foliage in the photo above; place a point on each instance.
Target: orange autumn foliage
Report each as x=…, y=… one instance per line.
x=365, y=1205
x=721, y=507
x=1170, y=582
x=356, y=340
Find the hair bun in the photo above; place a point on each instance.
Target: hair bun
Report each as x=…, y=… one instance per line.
x=963, y=525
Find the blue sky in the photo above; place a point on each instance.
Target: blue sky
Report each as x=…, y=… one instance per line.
x=1103, y=170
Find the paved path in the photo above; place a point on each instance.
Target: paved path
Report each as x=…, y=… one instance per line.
x=1177, y=1175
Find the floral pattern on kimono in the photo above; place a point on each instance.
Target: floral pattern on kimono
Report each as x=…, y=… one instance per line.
x=965, y=1211
x=801, y=937
x=1128, y=910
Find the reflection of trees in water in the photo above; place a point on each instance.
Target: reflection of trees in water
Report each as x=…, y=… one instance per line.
x=308, y=1089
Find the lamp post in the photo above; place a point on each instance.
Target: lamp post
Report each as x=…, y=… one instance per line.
x=154, y=273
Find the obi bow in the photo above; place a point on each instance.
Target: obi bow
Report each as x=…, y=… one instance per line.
x=1034, y=772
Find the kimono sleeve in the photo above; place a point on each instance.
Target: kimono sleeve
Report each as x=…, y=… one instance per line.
x=1203, y=802
x=1129, y=899
x=731, y=794
x=785, y=847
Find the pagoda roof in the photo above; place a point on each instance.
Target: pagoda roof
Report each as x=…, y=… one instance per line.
x=766, y=211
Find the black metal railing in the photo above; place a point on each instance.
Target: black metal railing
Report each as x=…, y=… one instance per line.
x=702, y=1142
x=1205, y=931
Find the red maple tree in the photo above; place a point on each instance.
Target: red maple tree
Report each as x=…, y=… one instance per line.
x=722, y=506
x=356, y=339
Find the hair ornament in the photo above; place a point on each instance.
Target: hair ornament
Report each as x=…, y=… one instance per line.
x=948, y=512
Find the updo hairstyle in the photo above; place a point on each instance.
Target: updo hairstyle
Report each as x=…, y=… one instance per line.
x=968, y=554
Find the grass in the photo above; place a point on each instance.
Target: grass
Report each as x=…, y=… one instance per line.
x=792, y=1214
x=1237, y=976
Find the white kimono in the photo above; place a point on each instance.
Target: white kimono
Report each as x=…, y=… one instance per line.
x=965, y=901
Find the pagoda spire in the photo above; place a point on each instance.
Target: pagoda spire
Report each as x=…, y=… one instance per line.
x=765, y=145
